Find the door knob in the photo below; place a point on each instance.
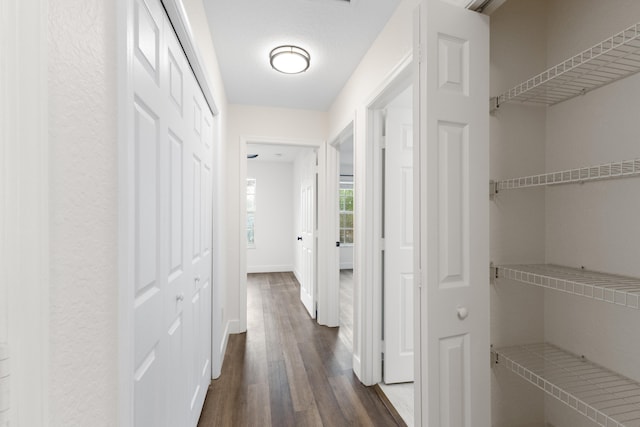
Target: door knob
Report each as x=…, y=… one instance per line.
x=462, y=313
x=299, y=237
x=180, y=297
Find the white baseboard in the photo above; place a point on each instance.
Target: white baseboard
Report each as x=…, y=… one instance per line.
x=357, y=366
x=297, y=274
x=233, y=327
x=269, y=268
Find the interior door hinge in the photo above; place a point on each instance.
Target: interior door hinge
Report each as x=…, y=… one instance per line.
x=382, y=244
x=419, y=279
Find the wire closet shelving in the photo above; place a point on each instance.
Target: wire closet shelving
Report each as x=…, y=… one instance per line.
x=608, y=61
x=608, y=398
x=614, y=170
x=609, y=288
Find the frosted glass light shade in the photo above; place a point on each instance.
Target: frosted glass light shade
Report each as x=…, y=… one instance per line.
x=289, y=59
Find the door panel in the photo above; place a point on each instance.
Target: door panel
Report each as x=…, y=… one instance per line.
x=453, y=220
x=170, y=173
x=308, y=223
x=398, y=252
x=149, y=286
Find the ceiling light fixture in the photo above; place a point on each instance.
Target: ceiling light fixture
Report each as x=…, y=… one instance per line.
x=289, y=59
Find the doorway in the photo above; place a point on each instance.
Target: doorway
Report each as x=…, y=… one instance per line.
x=396, y=176
x=346, y=236
x=279, y=210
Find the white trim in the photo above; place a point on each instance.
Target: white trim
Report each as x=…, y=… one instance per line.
x=331, y=208
x=233, y=327
x=322, y=299
x=124, y=22
x=367, y=268
x=270, y=268
x=125, y=204
x=180, y=21
x=24, y=207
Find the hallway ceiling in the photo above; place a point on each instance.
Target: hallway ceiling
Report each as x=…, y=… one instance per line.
x=336, y=33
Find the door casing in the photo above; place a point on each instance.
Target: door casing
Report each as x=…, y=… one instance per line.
x=367, y=361
x=324, y=237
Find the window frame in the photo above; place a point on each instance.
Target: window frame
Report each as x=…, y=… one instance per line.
x=251, y=212
x=348, y=186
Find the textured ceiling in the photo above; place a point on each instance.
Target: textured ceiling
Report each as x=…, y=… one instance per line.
x=336, y=33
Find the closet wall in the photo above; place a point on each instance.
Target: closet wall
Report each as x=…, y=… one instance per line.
x=594, y=224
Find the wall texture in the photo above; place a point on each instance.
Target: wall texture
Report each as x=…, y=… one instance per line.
x=83, y=204
x=274, y=229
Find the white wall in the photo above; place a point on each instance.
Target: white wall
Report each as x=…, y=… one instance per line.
x=256, y=123
x=593, y=225
x=84, y=221
x=274, y=232
x=518, y=49
x=346, y=257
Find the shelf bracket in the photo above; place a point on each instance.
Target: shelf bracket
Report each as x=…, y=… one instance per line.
x=493, y=189
x=493, y=273
x=494, y=104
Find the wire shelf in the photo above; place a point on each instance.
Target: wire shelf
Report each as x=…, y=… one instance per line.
x=613, y=289
x=623, y=169
x=601, y=395
x=613, y=59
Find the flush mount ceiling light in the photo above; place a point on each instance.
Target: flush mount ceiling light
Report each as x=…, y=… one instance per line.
x=289, y=59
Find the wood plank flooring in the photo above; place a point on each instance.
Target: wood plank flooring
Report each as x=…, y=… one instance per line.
x=346, y=307
x=287, y=370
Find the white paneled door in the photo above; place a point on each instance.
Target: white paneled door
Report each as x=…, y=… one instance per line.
x=398, y=246
x=170, y=179
x=307, y=234
x=453, y=220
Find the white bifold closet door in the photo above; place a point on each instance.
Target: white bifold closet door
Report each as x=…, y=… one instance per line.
x=453, y=172
x=170, y=213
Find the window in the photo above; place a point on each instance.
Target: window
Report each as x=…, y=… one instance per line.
x=346, y=213
x=251, y=212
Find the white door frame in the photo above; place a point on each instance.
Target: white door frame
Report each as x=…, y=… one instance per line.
x=367, y=362
x=322, y=297
x=331, y=210
x=24, y=209
x=180, y=22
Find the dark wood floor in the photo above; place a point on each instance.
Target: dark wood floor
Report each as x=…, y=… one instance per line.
x=287, y=370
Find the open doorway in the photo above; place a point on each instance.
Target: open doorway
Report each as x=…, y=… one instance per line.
x=346, y=235
x=281, y=218
x=395, y=120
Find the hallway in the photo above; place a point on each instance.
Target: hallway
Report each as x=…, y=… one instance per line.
x=287, y=370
